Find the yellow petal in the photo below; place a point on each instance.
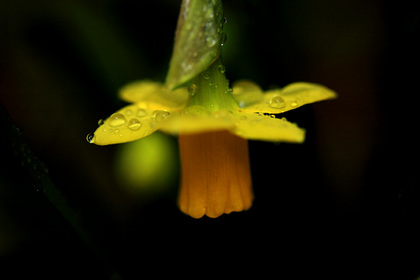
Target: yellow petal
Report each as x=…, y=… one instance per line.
x=154, y=95
x=196, y=119
x=266, y=128
x=290, y=97
x=128, y=124
x=246, y=93
x=216, y=176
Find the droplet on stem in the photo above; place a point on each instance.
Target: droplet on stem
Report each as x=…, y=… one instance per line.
x=224, y=39
x=222, y=68
x=192, y=89
x=205, y=75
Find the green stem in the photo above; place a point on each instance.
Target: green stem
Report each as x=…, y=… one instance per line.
x=211, y=90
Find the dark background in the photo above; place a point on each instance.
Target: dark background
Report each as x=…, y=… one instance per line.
x=344, y=205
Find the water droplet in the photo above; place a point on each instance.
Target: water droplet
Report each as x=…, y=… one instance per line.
x=210, y=30
x=117, y=119
x=293, y=104
x=161, y=115
x=277, y=102
x=246, y=93
x=101, y=122
x=128, y=112
x=116, y=131
x=222, y=68
x=229, y=90
x=192, y=89
x=223, y=39
x=134, y=124
x=90, y=138
x=141, y=113
x=205, y=75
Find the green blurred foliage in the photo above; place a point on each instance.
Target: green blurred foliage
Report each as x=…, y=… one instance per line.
x=148, y=168
x=346, y=197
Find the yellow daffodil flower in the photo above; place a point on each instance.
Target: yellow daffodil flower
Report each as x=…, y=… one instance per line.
x=212, y=120
x=213, y=123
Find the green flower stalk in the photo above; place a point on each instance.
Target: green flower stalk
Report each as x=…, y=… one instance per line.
x=198, y=39
x=212, y=120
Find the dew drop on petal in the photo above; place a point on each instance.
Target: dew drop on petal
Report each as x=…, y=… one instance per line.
x=134, y=124
x=90, y=138
x=117, y=119
x=101, y=122
x=277, y=102
x=141, y=113
x=246, y=93
x=161, y=115
x=293, y=104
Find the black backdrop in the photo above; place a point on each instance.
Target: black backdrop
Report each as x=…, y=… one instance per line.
x=343, y=205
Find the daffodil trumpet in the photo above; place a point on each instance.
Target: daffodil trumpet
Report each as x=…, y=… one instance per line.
x=216, y=176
